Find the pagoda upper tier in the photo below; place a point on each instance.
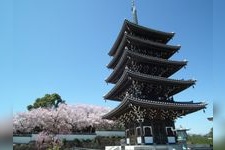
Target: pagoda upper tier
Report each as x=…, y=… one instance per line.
x=153, y=109
x=146, y=86
x=144, y=64
x=141, y=32
x=142, y=46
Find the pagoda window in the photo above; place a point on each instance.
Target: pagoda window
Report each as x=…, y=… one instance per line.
x=170, y=135
x=138, y=131
x=128, y=136
x=169, y=131
x=148, y=135
x=147, y=130
x=127, y=133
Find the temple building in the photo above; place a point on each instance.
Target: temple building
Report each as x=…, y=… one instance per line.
x=141, y=73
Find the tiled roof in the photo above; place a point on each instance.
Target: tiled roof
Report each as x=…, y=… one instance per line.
x=124, y=105
x=146, y=59
x=165, y=36
x=128, y=75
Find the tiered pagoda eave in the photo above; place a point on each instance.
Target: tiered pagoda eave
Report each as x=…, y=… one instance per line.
x=181, y=108
x=127, y=42
x=152, y=61
x=129, y=27
x=128, y=76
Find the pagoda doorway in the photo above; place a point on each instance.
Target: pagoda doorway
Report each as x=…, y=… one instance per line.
x=159, y=134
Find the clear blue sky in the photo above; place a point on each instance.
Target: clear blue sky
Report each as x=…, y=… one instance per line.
x=61, y=46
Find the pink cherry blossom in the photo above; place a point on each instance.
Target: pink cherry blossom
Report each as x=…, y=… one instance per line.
x=64, y=119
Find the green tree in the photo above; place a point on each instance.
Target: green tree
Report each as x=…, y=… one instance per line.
x=48, y=101
x=210, y=134
x=199, y=139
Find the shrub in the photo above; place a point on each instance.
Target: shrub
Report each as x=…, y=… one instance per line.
x=77, y=142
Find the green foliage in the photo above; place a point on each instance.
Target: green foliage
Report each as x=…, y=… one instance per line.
x=77, y=143
x=64, y=141
x=199, y=139
x=48, y=101
x=210, y=134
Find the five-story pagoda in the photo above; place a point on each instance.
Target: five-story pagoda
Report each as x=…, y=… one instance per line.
x=141, y=71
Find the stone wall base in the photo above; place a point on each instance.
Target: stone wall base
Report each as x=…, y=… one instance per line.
x=145, y=147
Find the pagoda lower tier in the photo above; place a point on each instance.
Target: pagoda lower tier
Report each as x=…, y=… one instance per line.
x=151, y=122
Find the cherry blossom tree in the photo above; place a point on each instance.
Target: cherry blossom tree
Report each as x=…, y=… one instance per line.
x=22, y=123
x=64, y=119
x=45, y=140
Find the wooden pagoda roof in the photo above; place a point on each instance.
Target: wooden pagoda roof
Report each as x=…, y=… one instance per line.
x=128, y=76
x=124, y=106
x=129, y=55
x=164, y=37
x=169, y=50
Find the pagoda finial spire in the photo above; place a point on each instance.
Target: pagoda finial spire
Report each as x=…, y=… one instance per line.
x=134, y=12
